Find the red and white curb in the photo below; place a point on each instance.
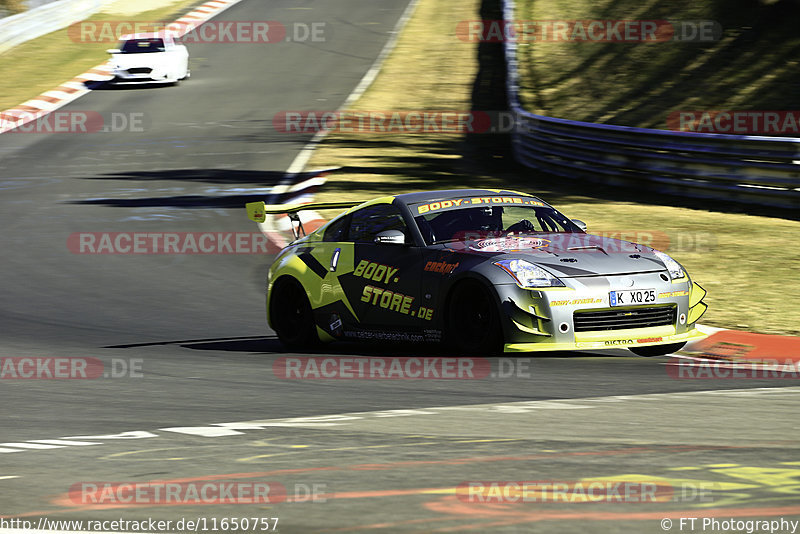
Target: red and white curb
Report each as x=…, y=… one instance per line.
x=75, y=88
x=300, y=190
x=744, y=347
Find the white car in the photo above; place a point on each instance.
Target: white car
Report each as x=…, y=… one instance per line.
x=149, y=58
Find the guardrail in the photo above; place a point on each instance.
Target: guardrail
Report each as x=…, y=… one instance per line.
x=17, y=29
x=741, y=168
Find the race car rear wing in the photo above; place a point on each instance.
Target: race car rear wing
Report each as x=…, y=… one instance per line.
x=258, y=211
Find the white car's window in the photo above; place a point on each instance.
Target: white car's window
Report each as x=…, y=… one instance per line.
x=143, y=46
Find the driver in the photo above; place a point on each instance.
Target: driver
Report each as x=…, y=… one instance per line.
x=522, y=226
x=487, y=219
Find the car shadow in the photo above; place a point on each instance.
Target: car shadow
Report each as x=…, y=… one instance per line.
x=108, y=85
x=271, y=345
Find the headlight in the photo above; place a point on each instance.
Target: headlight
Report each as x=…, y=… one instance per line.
x=527, y=274
x=676, y=272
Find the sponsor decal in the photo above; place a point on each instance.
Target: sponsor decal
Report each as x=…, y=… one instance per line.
x=390, y=300
x=444, y=204
x=572, y=302
x=440, y=267
x=393, y=301
x=383, y=335
x=509, y=244
x=611, y=342
x=432, y=335
x=335, y=324
x=377, y=272
x=649, y=340
x=424, y=313
x=668, y=294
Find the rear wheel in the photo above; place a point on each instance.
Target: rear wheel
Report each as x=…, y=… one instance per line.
x=657, y=350
x=473, y=321
x=291, y=315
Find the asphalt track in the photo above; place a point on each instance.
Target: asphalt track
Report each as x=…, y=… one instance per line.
x=205, y=403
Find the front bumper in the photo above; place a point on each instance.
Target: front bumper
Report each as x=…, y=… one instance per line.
x=123, y=76
x=575, y=317
x=614, y=339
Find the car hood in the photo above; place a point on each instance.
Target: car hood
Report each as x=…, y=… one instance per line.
x=567, y=255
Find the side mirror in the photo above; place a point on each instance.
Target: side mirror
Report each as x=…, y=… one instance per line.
x=391, y=237
x=580, y=224
x=113, y=50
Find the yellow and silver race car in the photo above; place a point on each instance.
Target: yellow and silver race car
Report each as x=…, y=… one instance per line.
x=481, y=270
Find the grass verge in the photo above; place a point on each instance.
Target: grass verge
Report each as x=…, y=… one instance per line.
x=753, y=65
x=48, y=61
x=747, y=262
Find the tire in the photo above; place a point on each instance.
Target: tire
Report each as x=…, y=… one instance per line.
x=657, y=350
x=292, y=317
x=473, y=320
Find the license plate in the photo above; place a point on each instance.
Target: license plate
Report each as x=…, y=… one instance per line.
x=632, y=297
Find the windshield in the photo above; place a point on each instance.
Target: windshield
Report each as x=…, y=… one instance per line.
x=143, y=46
x=465, y=223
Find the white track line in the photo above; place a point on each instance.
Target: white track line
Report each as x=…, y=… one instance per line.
x=269, y=226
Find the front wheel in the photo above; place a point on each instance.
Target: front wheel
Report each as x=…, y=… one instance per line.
x=473, y=320
x=292, y=317
x=657, y=350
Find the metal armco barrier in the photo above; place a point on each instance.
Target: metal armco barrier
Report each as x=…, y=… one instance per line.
x=17, y=29
x=740, y=168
